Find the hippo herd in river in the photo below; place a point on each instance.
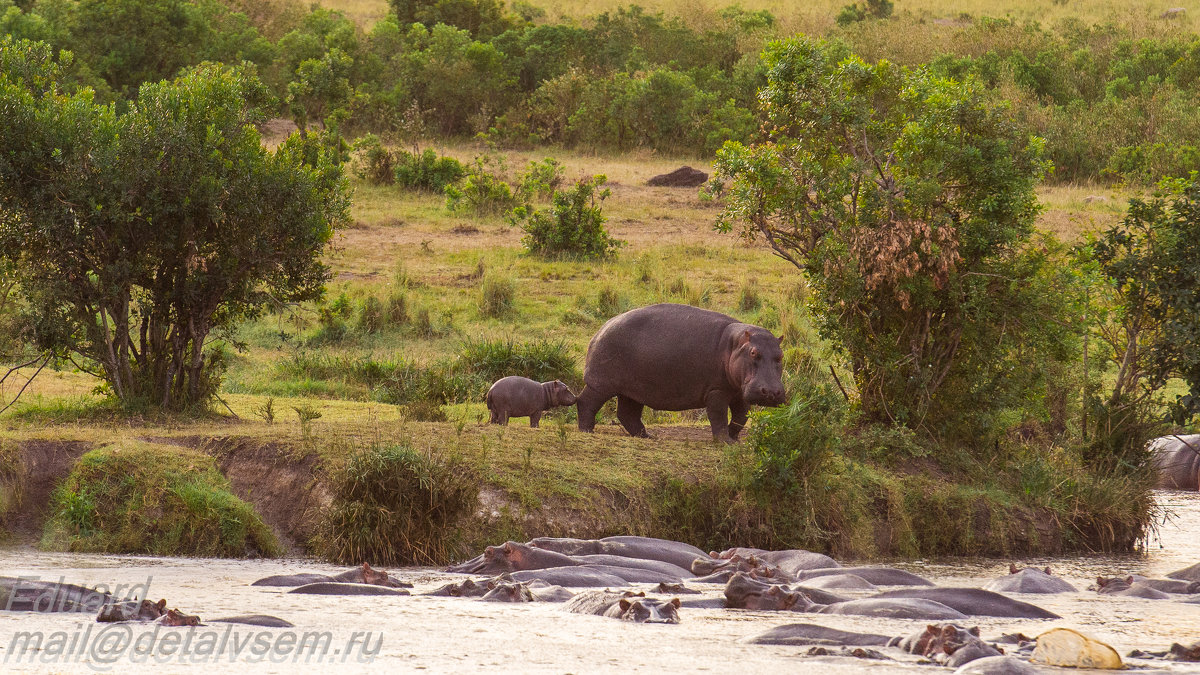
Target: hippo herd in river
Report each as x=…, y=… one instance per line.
x=599, y=576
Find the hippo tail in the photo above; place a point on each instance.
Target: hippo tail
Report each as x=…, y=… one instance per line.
x=488, y=399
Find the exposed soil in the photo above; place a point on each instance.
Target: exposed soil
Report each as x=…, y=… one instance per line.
x=282, y=484
x=45, y=463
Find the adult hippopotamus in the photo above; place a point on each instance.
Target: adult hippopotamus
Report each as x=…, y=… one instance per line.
x=1187, y=574
x=805, y=634
x=627, y=606
x=515, y=396
x=975, y=602
x=573, y=577
x=263, y=620
x=509, y=592
x=132, y=610
x=1177, y=460
x=646, y=548
x=947, y=644
x=344, y=588
x=880, y=576
x=678, y=357
x=1029, y=580
x=512, y=556
x=1129, y=588
x=791, y=561
x=19, y=594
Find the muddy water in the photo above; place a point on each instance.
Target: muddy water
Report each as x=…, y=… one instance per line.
x=409, y=634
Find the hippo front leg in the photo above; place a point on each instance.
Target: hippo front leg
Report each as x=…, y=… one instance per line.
x=717, y=407
x=587, y=406
x=739, y=412
x=533, y=419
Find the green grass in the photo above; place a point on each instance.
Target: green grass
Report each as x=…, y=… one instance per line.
x=135, y=497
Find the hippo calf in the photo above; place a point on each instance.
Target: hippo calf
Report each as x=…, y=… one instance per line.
x=678, y=357
x=515, y=396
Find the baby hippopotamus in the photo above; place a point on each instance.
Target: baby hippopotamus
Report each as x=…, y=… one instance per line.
x=515, y=396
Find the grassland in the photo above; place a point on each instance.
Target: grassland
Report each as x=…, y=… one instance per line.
x=553, y=480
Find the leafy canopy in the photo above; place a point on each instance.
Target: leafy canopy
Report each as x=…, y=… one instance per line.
x=908, y=201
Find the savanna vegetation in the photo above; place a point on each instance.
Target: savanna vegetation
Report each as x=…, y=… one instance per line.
x=975, y=234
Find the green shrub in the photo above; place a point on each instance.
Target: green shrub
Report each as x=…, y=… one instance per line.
x=540, y=360
x=142, y=498
x=573, y=226
x=793, y=443
x=541, y=179
x=427, y=172
x=394, y=505
x=497, y=295
x=483, y=191
x=373, y=162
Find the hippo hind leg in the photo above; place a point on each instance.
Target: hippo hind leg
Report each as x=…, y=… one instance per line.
x=629, y=412
x=587, y=406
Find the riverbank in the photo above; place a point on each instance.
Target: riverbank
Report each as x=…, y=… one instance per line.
x=556, y=481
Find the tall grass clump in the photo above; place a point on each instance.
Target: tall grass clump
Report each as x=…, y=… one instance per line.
x=394, y=505
x=142, y=498
x=497, y=295
x=540, y=360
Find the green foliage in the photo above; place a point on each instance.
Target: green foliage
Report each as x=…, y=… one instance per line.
x=426, y=171
x=109, y=282
x=374, y=163
x=573, y=226
x=394, y=505
x=873, y=9
x=541, y=180
x=910, y=212
x=794, y=443
x=541, y=360
x=142, y=498
x=480, y=18
x=371, y=315
x=483, y=191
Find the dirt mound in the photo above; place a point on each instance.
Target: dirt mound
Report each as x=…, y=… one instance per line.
x=44, y=464
x=684, y=176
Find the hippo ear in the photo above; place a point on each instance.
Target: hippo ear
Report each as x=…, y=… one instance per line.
x=933, y=628
x=675, y=602
x=974, y=631
x=1129, y=580
x=744, y=338
x=161, y=604
x=1012, y=568
x=1101, y=582
x=625, y=604
x=1047, y=571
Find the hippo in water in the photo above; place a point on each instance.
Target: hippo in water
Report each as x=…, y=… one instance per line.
x=132, y=610
x=678, y=357
x=975, y=602
x=1029, y=580
x=515, y=396
x=947, y=644
x=1177, y=460
x=512, y=556
x=805, y=634
x=1128, y=587
x=627, y=606
x=646, y=548
x=175, y=618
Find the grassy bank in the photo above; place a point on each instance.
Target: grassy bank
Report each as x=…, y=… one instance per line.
x=318, y=384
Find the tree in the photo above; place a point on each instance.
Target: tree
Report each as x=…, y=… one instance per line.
x=1149, y=327
x=142, y=238
x=908, y=201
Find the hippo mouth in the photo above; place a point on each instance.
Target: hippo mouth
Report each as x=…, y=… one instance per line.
x=766, y=398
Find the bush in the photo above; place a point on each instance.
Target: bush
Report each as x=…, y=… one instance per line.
x=373, y=162
x=573, y=226
x=483, y=191
x=394, y=505
x=497, y=295
x=143, y=498
x=541, y=360
x=371, y=316
x=427, y=172
x=793, y=443
x=541, y=179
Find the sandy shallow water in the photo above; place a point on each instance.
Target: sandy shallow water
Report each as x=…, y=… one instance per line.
x=453, y=635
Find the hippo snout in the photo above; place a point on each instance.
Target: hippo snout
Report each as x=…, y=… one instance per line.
x=770, y=396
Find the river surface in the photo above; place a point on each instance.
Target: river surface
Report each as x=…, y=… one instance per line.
x=437, y=634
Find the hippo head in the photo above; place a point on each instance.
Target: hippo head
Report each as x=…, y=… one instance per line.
x=558, y=394
x=503, y=558
x=374, y=576
x=149, y=611
x=952, y=638
x=756, y=367
x=649, y=610
x=509, y=592
x=133, y=610
x=743, y=592
x=174, y=617
x=1178, y=652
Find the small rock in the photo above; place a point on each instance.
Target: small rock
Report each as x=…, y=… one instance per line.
x=1070, y=648
x=684, y=176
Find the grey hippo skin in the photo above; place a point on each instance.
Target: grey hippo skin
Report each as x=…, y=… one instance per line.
x=264, y=620
x=792, y=561
x=850, y=582
x=508, y=592
x=1187, y=574
x=515, y=396
x=975, y=602
x=572, y=577
x=513, y=557
x=292, y=580
x=627, y=606
x=998, y=665
x=31, y=595
x=880, y=576
x=339, y=588
x=635, y=563
x=891, y=608
x=1128, y=588
x=804, y=634
x=678, y=357
x=132, y=610
x=1029, y=580
x=1177, y=460
x=645, y=548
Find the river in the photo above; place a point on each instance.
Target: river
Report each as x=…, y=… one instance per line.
x=436, y=634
